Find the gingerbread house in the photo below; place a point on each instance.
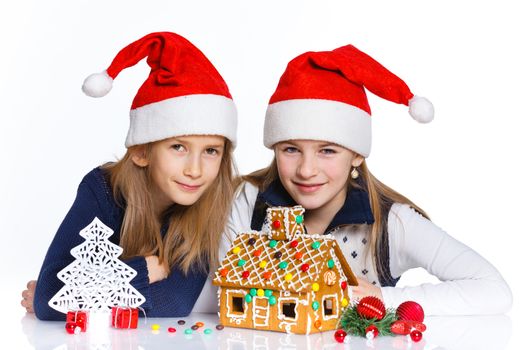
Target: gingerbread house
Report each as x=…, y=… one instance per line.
x=282, y=279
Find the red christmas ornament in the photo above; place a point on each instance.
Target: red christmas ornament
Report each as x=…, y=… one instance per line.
x=410, y=311
x=416, y=335
x=372, y=329
x=276, y=224
x=72, y=328
x=405, y=327
x=371, y=307
x=343, y=285
x=339, y=335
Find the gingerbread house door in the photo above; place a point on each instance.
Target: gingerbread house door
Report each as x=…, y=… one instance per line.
x=261, y=312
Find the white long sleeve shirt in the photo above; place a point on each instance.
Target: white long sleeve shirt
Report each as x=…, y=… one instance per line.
x=469, y=285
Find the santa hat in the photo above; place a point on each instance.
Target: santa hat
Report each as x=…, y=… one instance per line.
x=183, y=95
x=321, y=96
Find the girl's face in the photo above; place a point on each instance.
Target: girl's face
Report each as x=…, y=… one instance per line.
x=315, y=173
x=183, y=167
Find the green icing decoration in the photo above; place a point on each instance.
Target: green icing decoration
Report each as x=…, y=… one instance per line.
x=331, y=263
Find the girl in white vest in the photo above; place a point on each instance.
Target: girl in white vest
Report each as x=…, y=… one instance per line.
x=318, y=123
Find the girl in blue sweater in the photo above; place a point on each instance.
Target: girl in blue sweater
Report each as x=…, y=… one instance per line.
x=178, y=165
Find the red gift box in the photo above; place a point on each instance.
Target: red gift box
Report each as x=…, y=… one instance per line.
x=124, y=317
x=79, y=318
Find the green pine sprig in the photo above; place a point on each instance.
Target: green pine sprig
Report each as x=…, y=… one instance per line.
x=355, y=324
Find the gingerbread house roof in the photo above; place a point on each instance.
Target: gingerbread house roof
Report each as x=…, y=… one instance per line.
x=256, y=261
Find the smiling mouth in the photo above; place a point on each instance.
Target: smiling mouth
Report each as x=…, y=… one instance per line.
x=189, y=188
x=307, y=188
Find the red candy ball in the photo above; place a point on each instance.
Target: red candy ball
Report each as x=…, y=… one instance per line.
x=171, y=329
x=373, y=329
x=72, y=328
x=305, y=267
x=294, y=244
x=343, y=285
x=410, y=311
x=416, y=336
x=339, y=335
x=371, y=307
x=276, y=224
x=245, y=274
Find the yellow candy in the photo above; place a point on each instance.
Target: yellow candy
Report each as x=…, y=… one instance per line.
x=260, y=292
x=288, y=277
x=155, y=327
x=315, y=287
x=236, y=250
x=344, y=302
x=262, y=264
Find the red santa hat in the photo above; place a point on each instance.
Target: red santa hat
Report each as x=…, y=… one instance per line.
x=183, y=95
x=321, y=96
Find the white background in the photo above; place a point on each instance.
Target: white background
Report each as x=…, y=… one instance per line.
x=467, y=57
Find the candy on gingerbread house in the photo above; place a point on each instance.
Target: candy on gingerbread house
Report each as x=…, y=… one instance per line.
x=282, y=279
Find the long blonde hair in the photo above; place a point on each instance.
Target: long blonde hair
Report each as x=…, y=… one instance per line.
x=193, y=233
x=381, y=198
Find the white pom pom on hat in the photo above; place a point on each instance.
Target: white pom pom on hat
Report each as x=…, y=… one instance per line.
x=97, y=84
x=421, y=109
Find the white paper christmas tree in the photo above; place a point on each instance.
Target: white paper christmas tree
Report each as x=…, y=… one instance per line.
x=97, y=279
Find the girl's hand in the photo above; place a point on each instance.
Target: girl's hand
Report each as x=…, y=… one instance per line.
x=156, y=271
x=366, y=288
x=27, y=296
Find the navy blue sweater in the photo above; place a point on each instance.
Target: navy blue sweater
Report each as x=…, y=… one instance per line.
x=171, y=297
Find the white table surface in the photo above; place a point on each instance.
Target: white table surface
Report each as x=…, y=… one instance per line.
x=487, y=332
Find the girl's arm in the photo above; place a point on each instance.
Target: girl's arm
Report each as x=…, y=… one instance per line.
x=470, y=284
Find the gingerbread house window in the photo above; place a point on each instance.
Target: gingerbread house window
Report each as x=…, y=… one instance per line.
x=328, y=306
x=237, y=304
x=288, y=310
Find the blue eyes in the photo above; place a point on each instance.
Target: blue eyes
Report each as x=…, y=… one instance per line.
x=325, y=151
x=209, y=151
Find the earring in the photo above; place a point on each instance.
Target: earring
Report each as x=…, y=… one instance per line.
x=354, y=173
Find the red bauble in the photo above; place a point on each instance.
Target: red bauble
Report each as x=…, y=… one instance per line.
x=339, y=335
x=371, y=307
x=416, y=336
x=405, y=327
x=72, y=328
x=372, y=329
x=410, y=311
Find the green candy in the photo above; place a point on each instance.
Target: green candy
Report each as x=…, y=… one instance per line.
x=248, y=298
x=315, y=305
x=283, y=265
x=273, y=243
x=207, y=331
x=188, y=331
x=299, y=219
x=268, y=293
x=253, y=292
x=241, y=262
x=316, y=245
x=331, y=263
x=272, y=300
